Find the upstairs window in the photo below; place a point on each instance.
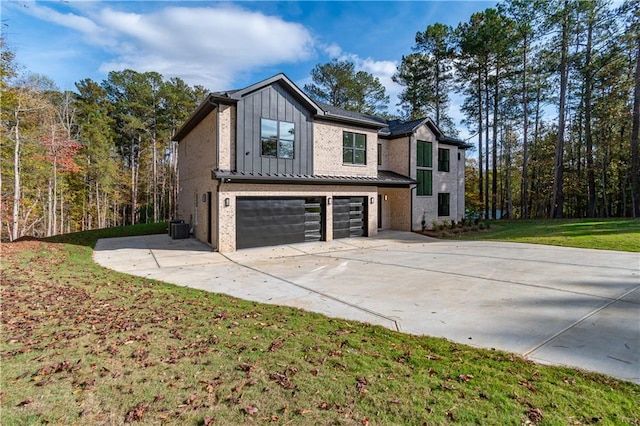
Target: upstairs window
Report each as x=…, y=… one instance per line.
x=379, y=154
x=424, y=172
x=425, y=150
x=277, y=138
x=443, y=160
x=354, y=148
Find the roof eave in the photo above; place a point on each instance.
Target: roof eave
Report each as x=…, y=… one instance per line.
x=350, y=120
x=230, y=177
x=209, y=104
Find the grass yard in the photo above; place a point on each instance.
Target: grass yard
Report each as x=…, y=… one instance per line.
x=81, y=344
x=606, y=234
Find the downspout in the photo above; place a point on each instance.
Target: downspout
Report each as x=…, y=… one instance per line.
x=411, y=190
x=217, y=105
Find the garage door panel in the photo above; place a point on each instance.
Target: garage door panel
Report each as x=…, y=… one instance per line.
x=274, y=221
x=349, y=217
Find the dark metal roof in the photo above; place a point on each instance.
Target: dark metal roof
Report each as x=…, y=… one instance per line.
x=340, y=113
x=455, y=141
x=384, y=178
x=399, y=127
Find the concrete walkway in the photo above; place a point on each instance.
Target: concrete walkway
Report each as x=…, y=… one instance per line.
x=554, y=305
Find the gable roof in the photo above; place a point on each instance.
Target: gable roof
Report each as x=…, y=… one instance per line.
x=399, y=128
x=289, y=85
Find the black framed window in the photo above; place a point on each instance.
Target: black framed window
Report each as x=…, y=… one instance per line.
x=425, y=157
x=277, y=138
x=354, y=148
x=443, y=204
x=443, y=160
x=425, y=182
x=379, y=154
x=424, y=172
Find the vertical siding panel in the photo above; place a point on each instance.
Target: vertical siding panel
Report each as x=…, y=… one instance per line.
x=240, y=138
x=259, y=112
x=274, y=103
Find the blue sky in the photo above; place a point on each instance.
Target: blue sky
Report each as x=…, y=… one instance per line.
x=220, y=45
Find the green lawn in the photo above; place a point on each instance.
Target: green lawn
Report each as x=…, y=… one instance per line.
x=81, y=344
x=606, y=234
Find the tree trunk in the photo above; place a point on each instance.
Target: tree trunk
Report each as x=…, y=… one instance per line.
x=635, y=160
x=494, y=157
x=591, y=182
x=155, y=178
x=486, y=140
x=481, y=174
x=557, y=204
x=525, y=128
x=16, y=177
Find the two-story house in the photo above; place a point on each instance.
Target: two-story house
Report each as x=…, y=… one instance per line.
x=267, y=165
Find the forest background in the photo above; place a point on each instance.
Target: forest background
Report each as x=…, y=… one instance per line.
x=551, y=94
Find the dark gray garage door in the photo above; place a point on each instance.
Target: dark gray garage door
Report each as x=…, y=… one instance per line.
x=349, y=217
x=274, y=221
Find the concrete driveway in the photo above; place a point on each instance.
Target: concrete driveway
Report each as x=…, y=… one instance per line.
x=553, y=305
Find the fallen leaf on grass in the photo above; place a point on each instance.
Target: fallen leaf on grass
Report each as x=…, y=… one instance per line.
x=527, y=385
x=535, y=415
x=250, y=410
x=275, y=345
x=24, y=402
x=136, y=413
x=361, y=384
x=191, y=399
x=465, y=377
x=244, y=367
x=445, y=386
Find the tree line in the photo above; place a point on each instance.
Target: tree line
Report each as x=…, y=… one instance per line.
x=550, y=90
x=97, y=157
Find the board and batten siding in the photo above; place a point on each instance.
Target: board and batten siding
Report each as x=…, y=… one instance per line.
x=275, y=103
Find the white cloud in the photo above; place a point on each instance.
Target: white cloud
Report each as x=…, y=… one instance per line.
x=209, y=46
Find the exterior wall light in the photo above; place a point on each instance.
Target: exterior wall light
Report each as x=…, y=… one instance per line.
x=371, y=200
x=227, y=202
x=328, y=201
